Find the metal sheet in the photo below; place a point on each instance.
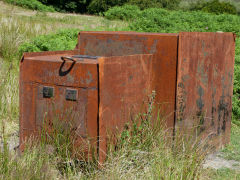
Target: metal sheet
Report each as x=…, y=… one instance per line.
x=40, y=70
x=50, y=69
x=205, y=84
x=164, y=48
x=124, y=82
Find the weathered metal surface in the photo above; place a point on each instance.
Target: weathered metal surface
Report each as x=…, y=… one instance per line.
x=164, y=48
x=205, y=84
x=50, y=69
x=80, y=109
x=124, y=83
x=192, y=74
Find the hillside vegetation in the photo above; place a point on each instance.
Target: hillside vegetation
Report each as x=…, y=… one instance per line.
x=143, y=152
x=99, y=6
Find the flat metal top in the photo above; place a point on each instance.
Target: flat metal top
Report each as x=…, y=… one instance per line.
x=67, y=57
x=129, y=33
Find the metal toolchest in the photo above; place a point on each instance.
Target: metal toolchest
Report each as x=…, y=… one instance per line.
x=191, y=73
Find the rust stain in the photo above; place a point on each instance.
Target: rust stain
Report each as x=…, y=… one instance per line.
x=208, y=58
x=89, y=78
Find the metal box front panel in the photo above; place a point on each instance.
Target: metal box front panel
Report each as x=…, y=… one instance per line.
x=47, y=95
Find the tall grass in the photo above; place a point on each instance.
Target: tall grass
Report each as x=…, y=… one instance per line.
x=143, y=151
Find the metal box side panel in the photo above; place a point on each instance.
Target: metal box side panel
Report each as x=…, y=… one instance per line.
x=124, y=84
x=205, y=84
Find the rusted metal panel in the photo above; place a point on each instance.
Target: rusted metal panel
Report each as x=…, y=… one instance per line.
x=124, y=82
x=205, y=84
x=27, y=108
x=164, y=48
x=51, y=89
x=51, y=69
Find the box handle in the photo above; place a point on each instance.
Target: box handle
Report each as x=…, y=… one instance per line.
x=64, y=58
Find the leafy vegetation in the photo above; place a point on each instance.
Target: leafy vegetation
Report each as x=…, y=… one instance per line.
x=190, y=5
x=100, y=6
x=236, y=88
x=161, y=20
x=97, y=6
x=215, y=6
x=130, y=12
x=145, y=4
x=79, y=6
x=63, y=39
x=90, y=6
x=32, y=4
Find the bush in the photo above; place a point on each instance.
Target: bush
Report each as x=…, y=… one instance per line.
x=236, y=89
x=97, y=6
x=144, y=4
x=68, y=5
x=62, y=40
x=126, y=12
x=32, y=4
x=160, y=20
x=215, y=7
x=91, y=6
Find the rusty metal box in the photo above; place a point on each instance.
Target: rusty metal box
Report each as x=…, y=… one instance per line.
x=192, y=74
x=82, y=90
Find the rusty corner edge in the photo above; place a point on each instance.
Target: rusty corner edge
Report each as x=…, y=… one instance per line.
x=48, y=53
x=235, y=36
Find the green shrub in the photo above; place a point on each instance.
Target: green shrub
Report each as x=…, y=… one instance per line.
x=97, y=6
x=215, y=6
x=236, y=89
x=32, y=4
x=160, y=20
x=62, y=40
x=68, y=5
x=126, y=12
x=144, y=4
